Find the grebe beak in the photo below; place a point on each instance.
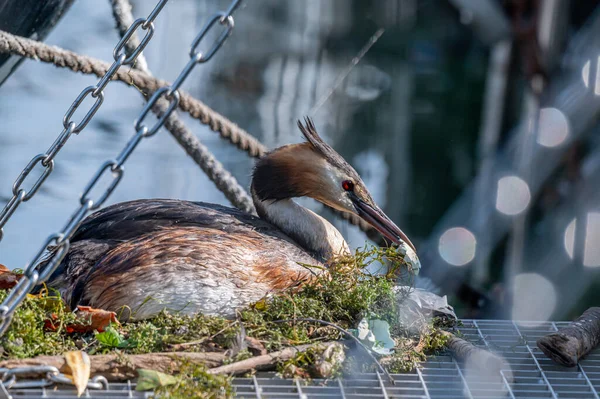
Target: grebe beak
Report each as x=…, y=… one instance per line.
x=379, y=220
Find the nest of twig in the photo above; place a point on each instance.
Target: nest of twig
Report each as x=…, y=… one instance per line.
x=300, y=333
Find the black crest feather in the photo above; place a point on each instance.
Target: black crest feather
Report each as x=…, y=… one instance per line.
x=310, y=132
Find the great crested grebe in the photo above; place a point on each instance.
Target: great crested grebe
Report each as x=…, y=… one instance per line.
x=157, y=254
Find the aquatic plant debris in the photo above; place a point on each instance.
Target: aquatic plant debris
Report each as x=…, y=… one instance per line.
x=346, y=296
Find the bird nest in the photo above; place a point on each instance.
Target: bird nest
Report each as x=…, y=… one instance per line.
x=329, y=326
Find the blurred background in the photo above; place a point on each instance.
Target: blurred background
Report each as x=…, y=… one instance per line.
x=473, y=123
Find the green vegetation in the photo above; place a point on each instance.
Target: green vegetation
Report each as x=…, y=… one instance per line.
x=343, y=296
x=28, y=335
x=193, y=381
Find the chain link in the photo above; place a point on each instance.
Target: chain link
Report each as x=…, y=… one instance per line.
x=48, y=169
x=61, y=249
x=90, y=114
x=117, y=175
x=50, y=376
x=120, y=49
x=97, y=92
x=40, y=269
x=11, y=207
x=223, y=19
x=172, y=95
x=59, y=143
x=112, y=70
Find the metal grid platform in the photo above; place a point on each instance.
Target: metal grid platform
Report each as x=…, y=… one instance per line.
x=532, y=374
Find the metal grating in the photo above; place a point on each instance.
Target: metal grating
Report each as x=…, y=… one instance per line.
x=531, y=373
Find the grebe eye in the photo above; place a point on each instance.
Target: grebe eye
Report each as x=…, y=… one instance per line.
x=348, y=185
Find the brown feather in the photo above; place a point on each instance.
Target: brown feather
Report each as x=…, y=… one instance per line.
x=255, y=266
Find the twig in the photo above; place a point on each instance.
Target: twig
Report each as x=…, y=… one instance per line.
x=266, y=361
x=569, y=344
x=122, y=367
x=372, y=40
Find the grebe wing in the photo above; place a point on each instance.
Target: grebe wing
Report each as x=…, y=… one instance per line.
x=115, y=228
x=127, y=220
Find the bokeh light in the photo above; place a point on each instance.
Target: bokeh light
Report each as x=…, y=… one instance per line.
x=553, y=127
x=457, y=246
x=591, y=251
x=587, y=70
x=534, y=299
x=512, y=196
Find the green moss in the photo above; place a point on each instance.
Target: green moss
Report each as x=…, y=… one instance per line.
x=300, y=365
x=343, y=295
x=410, y=353
x=318, y=362
x=160, y=333
x=194, y=381
x=27, y=335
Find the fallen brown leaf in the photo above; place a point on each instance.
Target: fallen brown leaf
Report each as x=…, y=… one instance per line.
x=78, y=369
x=92, y=320
x=49, y=322
x=8, y=279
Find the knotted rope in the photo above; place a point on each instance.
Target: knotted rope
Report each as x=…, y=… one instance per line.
x=148, y=85
x=216, y=172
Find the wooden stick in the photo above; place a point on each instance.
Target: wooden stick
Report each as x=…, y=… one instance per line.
x=569, y=344
x=123, y=367
x=476, y=357
x=269, y=360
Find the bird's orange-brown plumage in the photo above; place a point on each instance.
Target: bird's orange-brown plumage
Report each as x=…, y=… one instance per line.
x=186, y=256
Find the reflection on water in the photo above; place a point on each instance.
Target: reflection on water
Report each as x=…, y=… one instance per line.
x=396, y=116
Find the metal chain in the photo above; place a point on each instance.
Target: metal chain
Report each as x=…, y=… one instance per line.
x=50, y=376
x=36, y=272
x=46, y=160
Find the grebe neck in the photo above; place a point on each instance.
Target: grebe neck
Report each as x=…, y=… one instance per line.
x=311, y=231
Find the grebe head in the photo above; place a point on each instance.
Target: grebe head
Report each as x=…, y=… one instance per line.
x=314, y=169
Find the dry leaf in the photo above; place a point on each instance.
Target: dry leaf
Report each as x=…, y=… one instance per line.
x=49, y=322
x=78, y=370
x=92, y=320
x=8, y=279
x=255, y=346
